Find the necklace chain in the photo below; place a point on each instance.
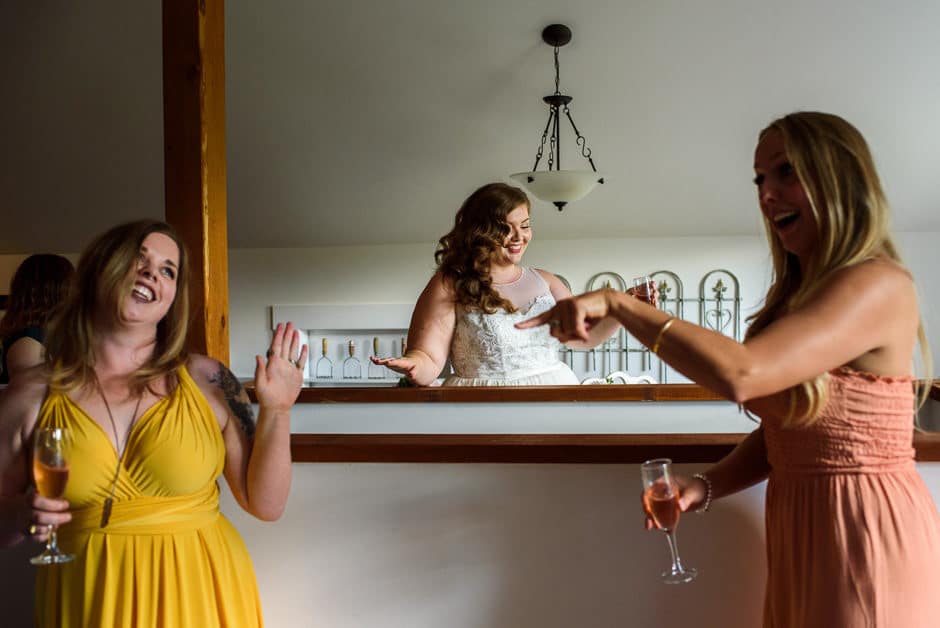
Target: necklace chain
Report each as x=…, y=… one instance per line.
x=109, y=501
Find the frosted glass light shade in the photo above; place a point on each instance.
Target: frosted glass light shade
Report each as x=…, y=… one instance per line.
x=558, y=186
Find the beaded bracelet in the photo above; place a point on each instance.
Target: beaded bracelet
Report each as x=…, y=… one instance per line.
x=708, y=492
x=662, y=332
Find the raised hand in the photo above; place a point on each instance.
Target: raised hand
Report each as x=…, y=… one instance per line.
x=280, y=376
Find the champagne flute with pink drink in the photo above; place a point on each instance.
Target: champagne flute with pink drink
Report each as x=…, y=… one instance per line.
x=661, y=502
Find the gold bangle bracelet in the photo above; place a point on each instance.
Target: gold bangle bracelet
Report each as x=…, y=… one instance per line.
x=662, y=332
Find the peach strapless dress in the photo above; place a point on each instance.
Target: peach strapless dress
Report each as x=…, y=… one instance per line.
x=853, y=535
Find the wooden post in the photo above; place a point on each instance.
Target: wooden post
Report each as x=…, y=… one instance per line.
x=194, y=160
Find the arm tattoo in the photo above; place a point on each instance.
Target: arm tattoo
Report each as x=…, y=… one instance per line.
x=236, y=398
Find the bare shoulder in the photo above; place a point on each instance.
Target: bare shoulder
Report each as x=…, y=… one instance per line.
x=213, y=376
x=202, y=368
x=224, y=391
x=24, y=353
x=441, y=285
x=438, y=296
x=879, y=279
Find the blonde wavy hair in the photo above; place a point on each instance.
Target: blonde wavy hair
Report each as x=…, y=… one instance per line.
x=104, y=277
x=852, y=215
x=466, y=253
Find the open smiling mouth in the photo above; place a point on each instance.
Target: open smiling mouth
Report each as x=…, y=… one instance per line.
x=143, y=294
x=785, y=220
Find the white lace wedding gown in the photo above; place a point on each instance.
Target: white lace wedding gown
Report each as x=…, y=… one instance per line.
x=487, y=350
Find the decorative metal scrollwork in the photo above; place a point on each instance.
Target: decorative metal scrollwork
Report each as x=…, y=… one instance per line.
x=607, y=279
x=721, y=311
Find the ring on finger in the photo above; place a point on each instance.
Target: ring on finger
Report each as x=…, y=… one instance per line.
x=269, y=353
x=32, y=529
x=554, y=323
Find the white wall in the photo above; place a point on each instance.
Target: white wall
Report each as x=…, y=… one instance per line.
x=497, y=546
x=500, y=546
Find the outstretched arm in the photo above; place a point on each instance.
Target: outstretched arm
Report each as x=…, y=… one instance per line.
x=865, y=315
x=432, y=328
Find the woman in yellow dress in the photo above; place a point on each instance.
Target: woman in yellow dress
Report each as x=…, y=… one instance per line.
x=152, y=430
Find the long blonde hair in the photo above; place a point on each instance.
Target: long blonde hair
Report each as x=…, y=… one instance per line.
x=103, y=279
x=835, y=167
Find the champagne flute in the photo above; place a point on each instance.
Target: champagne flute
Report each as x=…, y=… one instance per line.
x=661, y=502
x=642, y=289
x=51, y=472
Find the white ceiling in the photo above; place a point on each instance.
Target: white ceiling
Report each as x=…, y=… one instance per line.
x=365, y=121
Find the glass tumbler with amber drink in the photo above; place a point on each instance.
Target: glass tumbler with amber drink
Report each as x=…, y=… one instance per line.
x=661, y=502
x=51, y=473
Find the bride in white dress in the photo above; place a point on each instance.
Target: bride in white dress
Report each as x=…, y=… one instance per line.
x=480, y=291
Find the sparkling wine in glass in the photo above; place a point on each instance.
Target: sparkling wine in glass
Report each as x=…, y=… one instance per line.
x=661, y=502
x=51, y=473
x=643, y=289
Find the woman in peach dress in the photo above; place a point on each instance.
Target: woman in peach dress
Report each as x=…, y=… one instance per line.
x=853, y=535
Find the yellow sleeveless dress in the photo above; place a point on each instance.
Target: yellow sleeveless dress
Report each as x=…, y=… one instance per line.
x=167, y=556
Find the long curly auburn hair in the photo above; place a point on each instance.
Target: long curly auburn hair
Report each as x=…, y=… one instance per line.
x=465, y=254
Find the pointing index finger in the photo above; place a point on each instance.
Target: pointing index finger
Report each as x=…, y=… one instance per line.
x=541, y=319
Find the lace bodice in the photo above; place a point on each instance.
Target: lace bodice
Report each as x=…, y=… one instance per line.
x=489, y=346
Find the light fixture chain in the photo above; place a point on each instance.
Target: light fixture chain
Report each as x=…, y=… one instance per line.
x=538, y=155
x=582, y=142
x=556, y=72
x=553, y=144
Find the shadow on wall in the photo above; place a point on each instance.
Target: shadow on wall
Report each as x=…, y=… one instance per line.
x=497, y=546
x=17, y=577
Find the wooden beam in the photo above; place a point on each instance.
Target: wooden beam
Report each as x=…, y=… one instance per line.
x=499, y=394
x=534, y=448
x=194, y=160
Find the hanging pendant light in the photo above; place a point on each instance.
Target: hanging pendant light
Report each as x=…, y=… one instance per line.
x=555, y=185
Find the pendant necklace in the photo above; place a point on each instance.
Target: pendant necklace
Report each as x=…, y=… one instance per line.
x=109, y=501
